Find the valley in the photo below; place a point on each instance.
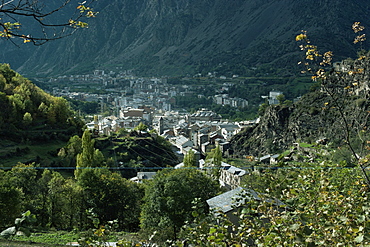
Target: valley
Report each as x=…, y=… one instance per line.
x=185, y=123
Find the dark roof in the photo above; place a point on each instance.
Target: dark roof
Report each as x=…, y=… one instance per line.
x=235, y=198
x=228, y=200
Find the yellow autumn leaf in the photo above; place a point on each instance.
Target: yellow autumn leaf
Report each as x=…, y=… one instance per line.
x=301, y=37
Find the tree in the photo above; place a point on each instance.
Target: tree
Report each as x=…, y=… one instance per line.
x=27, y=119
x=38, y=22
x=214, y=160
x=89, y=156
x=168, y=200
x=324, y=203
x=71, y=150
x=57, y=197
x=24, y=177
x=10, y=200
x=141, y=127
x=280, y=98
x=112, y=197
x=189, y=159
x=262, y=108
x=347, y=88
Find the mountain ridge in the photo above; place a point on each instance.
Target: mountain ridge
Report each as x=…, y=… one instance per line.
x=179, y=37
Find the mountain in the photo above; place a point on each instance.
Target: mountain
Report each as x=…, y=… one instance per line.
x=176, y=37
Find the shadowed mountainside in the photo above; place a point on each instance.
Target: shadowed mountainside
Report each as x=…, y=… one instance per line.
x=169, y=37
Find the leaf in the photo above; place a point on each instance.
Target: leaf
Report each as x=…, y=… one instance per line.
x=27, y=213
x=212, y=230
x=294, y=227
x=7, y=233
x=210, y=238
x=301, y=37
x=359, y=238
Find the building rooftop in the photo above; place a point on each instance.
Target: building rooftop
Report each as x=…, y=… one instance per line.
x=231, y=199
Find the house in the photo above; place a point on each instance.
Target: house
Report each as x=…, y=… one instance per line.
x=141, y=176
x=204, y=115
x=181, y=142
x=230, y=176
x=224, y=146
x=229, y=130
x=273, y=95
x=214, y=136
x=269, y=159
x=231, y=201
x=202, y=138
x=130, y=112
x=206, y=147
x=228, y=201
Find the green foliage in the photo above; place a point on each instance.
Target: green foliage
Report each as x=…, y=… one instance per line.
x=281, y=98
x=213, y=162
x=61, y=202
x=28, y=108
x=70, y=151
x=89, y=156
x=84, y=107
x=45, y=238
x=141, y=127
x=10, y=200
x=262, y=109
x=99, y=235
x=112, y=197
x=137, y=150
x=27, y=118
x=346, y=87
x=189, y=159
x=21, y=226
x=322, y=207
x=168, y=200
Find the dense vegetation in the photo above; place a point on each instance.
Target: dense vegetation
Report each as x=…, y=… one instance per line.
x=30, y=113
x=324, y=204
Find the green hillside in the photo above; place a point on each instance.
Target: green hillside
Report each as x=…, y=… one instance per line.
x=33, y=124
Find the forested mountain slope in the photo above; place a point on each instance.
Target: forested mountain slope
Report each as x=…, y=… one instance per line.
x=27, y=112
x=170, y=37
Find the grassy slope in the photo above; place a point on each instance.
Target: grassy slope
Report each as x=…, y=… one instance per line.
x=28, y=152
x=5, y=243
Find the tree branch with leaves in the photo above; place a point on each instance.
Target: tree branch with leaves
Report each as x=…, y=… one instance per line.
x=347, y=86
x=40, y=21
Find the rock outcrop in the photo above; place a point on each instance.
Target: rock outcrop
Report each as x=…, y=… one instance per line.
x=312, y=118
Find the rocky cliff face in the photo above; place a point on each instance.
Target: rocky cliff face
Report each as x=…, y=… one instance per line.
x=167, y=37
x=313, y=118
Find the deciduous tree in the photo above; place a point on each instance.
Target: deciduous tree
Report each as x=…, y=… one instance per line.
x=347, y=88
x=168, y=200
x=189, y=159
x=89, y=156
